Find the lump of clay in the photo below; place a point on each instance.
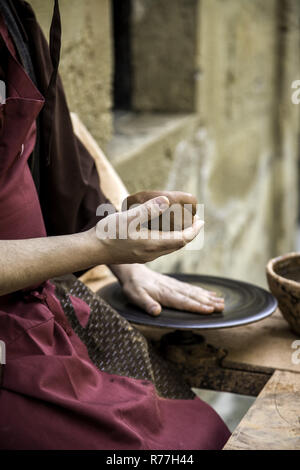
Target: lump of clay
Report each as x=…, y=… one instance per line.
x=180, y=215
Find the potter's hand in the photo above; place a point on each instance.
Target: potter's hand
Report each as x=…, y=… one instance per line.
x=151, y=290
x=122, y=237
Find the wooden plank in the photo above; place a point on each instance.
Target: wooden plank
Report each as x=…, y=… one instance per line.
x=226, y=380
x=266, y=344
x=273, y=421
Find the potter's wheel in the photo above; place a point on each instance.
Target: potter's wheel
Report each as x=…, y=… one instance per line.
x=244, y=303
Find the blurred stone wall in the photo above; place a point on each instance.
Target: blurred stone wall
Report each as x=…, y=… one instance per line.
x=211, y=114
x=164, y=44
x=86, y=59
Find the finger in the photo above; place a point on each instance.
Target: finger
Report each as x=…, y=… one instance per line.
x=155, y=241
x=180, y=301
x=164, y=242
x=213, y=296
x=218, y=305
x=191, y=232
x=202, y=299
x=182, y=286
x=200, y=294
x=177, y=239
x=173, y=240
x=210, y=292
x=197, y=293
x=192, y=292
x=143, y=300
x=149, y=210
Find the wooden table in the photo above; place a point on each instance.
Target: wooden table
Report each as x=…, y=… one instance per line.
x=273, y=421
x=257, y=360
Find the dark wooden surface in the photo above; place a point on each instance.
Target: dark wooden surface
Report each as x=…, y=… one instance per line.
x=273, y=421
x=253, y=360
x=202, y=366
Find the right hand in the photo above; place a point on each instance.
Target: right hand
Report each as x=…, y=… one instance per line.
x=143, y=245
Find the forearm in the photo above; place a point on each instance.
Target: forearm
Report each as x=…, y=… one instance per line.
x=29, y=262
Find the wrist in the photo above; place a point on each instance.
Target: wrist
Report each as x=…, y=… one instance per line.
x=125, y=272
x=98, y=252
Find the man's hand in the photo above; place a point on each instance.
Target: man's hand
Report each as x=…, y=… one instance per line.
x=123, y=238
x=151, y=291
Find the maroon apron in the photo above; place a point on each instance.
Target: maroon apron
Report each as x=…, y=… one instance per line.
x=52, y=395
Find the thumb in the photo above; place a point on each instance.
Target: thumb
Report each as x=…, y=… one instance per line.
x=142, y=299
x=149, y=210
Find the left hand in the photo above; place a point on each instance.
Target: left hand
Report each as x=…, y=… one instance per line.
x=151, y=291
